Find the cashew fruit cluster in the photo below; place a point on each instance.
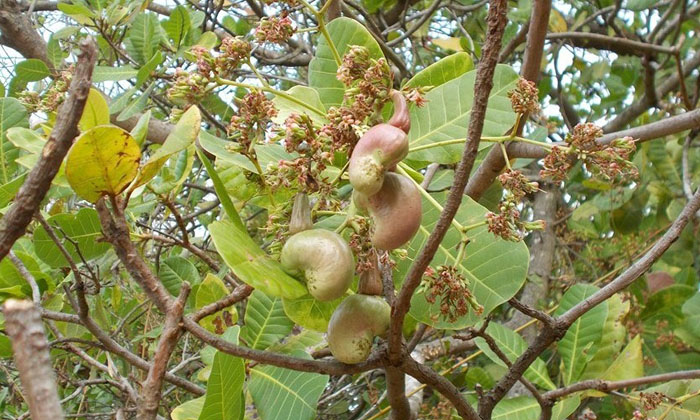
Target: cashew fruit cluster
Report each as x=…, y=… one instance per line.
x=354, y=324
x=391, y=200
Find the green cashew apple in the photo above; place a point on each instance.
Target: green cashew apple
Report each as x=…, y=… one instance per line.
x=380, y=149
x=323, y=259
x=395, y=211
x=354, y=324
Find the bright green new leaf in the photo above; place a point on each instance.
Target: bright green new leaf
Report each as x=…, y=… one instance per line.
x=443, y=71
x=182, y=136
x=494, y=268
x=611, y=340
x=344, y=32
x=628, y=364
x=173, y=271
x=224, y=398
x=178, y=25
x=446, y=116
x=211, y=290
x=265, y=321
x=581, y=339
x=109, y=73
x=140, y=130
x=189, y=410
x=314, y=109
x=12, y=114
x=103, y=161
x=311, y=313
x=96, y=111
x=283, y=394
x=513, y=345
x=26, y=71
x=250, y=263
x=83, y=228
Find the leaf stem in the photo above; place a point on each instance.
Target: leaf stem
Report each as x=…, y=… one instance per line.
x=319, y=15
x=274, y=91
x=400, y=169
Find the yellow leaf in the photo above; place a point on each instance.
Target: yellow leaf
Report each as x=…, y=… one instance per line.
x=96, y=111
x=557, y=23
x=451, y=43
x=103, y=161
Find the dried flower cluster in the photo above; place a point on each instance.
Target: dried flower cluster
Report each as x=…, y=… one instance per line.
x=361, y=244
x=52, y=98
x=276, y=30
x=524, y=98
x=255, y=113
x=450, y=288
x=609, y=162
x=506, y=223
x=190, y=88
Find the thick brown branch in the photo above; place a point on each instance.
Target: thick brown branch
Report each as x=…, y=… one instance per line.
x=621, y=46
x=549, y=335
x=607, y=386
x=150, y=399
x=432, y=379
x=19, y=33
x=14, y=223
x=31, y=353
x=484, y=82
x=396, y=388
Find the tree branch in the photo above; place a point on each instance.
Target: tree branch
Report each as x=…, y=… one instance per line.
x=396, y=388
x=19, y=34
x=150, y=400
x=31, y=353
x=620, y=46
x=484, y=82
x=38, y=182
x=607, y=386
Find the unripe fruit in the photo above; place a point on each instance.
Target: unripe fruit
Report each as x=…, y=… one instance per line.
x=323, y=259
x=354, y=324
x=395, y=211
x=380, y=149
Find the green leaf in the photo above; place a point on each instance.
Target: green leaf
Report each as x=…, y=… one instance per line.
x=315, y=110
x=443, y=71
x=447, y=113
x=265, y=321
x=175, y=172
x=96, y=111
x=628, y=364
x=173, y=271
x=189, y=410
x=221, y=192
x=495, y=269
x=145, y=71
x=109, y=73
x=144, y=37
x=9, y=190
x=309, y=312
x=691, y=310
x=79, y=12
x=513, y=345
x=83, y=228
x=250, y=263
x=54, y=52
x=612, y=339
x=344, y=32
x=12, y=114
x=135, y=106
x=182, y=136
x=177, y=26
x=217, y=147
x=224, y=397
x=140, y=130
x=527, y=408
x=13, y=284
x=580, y=342
x=5, y=347
x=283, y=394
x=26, y=71
x=104, y=160
x=211, y=290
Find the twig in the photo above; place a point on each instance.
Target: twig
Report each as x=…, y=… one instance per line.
x=607, y=386
x=38, y=182
x=604, y=42
x=24, y=272
x=31, y=353
x=150, y=399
